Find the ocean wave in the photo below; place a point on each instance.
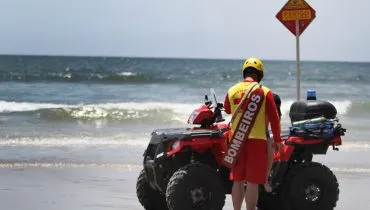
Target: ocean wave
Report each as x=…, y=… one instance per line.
x=80, y=76
x=359, y=108
x=141, y=111
x=357, y=146
x=342, y=106
x=64, y=164
x=11, y=106
x=16, y=164
x=130, y=111
x=125, y=141
x=352, y=170
x=322, y=78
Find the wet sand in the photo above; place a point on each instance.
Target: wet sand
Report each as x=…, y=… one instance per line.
x=98, y=188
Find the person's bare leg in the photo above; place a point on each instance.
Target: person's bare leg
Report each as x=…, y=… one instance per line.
x=237, y=193
x=251, y=196
x=270, y=160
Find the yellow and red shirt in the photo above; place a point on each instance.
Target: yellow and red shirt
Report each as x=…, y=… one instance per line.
x=267, y=114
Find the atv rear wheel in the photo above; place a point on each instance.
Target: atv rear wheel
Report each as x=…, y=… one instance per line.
x=149, y=198
x=195, y=186
x=312, y=186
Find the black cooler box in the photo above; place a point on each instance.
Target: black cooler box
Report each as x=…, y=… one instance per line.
x=304, y=110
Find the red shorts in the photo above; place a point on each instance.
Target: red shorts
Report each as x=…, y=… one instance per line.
x=252, y=162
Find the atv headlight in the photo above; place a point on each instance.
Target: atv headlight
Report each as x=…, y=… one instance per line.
x=175, y=144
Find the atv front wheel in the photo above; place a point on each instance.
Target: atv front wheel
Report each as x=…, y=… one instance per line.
x=312, y=186
x=193, y=187
x=149, y=198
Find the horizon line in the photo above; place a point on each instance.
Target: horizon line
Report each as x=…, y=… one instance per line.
x=169, y=57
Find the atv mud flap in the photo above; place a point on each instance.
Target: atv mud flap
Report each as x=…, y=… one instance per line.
x=154, y=169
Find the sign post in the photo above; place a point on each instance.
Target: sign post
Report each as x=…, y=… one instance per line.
x=298, y=74
x=296, y=15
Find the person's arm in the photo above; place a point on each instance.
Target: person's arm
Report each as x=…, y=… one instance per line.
x=277, y=103
x=273, y=117
x=227, y=104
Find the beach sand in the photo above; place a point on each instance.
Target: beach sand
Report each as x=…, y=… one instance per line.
x=102, y=187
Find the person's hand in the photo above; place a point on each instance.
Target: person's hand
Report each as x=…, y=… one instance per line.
x=279, y=147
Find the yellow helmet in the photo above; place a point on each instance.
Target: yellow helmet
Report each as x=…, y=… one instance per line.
x=253, y=65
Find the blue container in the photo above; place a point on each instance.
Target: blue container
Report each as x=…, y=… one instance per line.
x=313, y=126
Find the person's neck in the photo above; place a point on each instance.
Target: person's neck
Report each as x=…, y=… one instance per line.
x=249, y=79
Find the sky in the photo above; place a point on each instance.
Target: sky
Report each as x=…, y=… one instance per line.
x=231, y=29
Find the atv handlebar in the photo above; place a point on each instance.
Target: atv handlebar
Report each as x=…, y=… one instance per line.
x=218, y=112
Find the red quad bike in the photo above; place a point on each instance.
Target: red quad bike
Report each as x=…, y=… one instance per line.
x=183, y=171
